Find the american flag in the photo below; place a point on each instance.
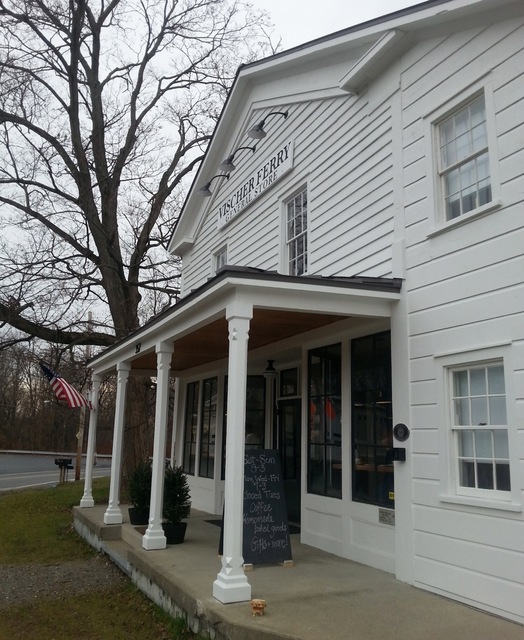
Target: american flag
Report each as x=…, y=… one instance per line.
x=63, y=390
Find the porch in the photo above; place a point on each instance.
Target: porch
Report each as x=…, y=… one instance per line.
x=321, y=596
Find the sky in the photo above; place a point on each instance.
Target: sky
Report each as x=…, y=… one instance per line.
x=298, y=21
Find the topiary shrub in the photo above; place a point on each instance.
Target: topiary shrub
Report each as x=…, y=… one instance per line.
x=177, y=497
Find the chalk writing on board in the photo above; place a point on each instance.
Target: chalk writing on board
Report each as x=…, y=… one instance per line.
x=266, y=531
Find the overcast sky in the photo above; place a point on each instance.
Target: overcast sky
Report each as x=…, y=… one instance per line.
x=298, y=21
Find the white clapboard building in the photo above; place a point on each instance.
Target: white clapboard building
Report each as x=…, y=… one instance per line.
x=353, y=295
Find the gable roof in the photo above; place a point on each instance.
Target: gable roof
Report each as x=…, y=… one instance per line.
x=367, y=49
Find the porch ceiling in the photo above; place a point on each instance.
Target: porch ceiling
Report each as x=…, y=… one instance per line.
x=211, y=342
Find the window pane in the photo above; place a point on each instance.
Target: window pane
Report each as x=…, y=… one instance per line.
x=452, y=208
x=460, y=383
x=496, y=379
x=468, y=177
x=485, y=475
x=479, y=411
x=466, y=444
x=502, y=477
x=461, y=122
x=462, y=413
x=463, y=146
x=467, y=474
x=483, y=168
x=501, y=443
x=483, y=444
x=478, y=382
x=479, y=136
x=497, y=410
x=477, y=111
x=446, y=131
x=452, y=182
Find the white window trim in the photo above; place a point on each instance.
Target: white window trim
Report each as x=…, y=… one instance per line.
x=284, y=253
x=445, y=363
x=214, y=258
x=438, y=223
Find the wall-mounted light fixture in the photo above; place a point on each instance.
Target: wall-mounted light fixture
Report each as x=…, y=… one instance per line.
x=204, y=191
x=227, y=164
x=270, y=371
x=257, y=131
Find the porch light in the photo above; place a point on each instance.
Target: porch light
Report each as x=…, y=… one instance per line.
x=204, y=191
x=270, y=371
x=227, y=164
x=257, y=131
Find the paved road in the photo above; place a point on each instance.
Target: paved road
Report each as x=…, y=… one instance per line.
x=19, y=470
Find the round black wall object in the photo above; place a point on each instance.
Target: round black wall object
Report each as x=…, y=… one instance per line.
x=401, y=432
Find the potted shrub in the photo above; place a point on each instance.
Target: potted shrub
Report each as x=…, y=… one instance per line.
x=139, y=491
x=177, y=504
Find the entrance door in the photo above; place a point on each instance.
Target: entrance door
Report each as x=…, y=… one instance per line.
x=289, y=430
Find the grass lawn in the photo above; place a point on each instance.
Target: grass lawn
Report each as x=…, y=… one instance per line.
x=37, y=529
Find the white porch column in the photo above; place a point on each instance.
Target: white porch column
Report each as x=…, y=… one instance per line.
x=154, y=537
x=113, y=514
x=231, y=584
x=87, y=498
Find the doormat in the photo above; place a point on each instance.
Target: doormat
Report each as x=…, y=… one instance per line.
x=293, y=528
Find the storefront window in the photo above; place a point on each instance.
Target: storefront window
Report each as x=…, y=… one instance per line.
x=255, y=415
x=190, y=428
x=324, y=435
x=371, y=420
x=208, y=428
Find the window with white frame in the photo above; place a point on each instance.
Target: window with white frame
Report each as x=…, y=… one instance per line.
x=480, y=430
x=463, y=163
x=220, y=259
x=296, y=233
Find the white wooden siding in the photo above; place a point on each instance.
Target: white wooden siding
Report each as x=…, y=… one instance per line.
x=465, y=289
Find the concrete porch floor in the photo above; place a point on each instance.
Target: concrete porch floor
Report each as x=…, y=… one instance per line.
x=321, y=597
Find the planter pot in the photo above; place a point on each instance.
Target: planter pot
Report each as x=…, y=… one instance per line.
x=138, y=515
x=174, y=531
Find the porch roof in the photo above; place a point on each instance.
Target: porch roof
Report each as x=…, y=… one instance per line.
x=283, y=306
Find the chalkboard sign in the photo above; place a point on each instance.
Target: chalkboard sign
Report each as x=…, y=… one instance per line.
x=266, y=531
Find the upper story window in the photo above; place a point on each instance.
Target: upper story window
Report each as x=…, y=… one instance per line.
x=296, y=234
x=464, y=166
x=220, y=259
x=480, y=429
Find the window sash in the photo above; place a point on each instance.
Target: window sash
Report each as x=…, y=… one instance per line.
x=191, y=420
x=296, y=233
x=464, y=159
x=324, y=418
x=208, y=425
x=480, y=432
x=220, y=258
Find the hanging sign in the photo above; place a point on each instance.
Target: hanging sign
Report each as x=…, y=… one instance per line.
x=259, y=181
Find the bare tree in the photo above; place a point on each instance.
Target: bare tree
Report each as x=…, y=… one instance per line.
x=106, y=107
